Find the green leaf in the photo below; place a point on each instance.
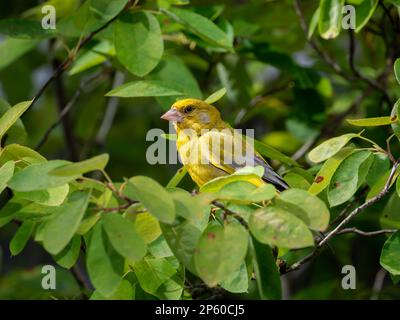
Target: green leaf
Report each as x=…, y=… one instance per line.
x=200, y=26
x=297, y=181
x=274, y=154
x=310, y=209
x=70, y=254
x=277, y=227
x=313, y=24
x=93, y=57
x=390, y=217
x=159, y=248
x=216, y=96
x=380, y=165
x=38, y=177
x=24, y=29
x=8, y=212
x=12, y=115
x=138, y=42
x=220, y=252
x=397, y=69
x=143, y=88
x=104, y=265
x=51, y=197
x=216, y=185
x=330, y=18
x=104, y=10
x=124, y=291
x=65, y=221
x=13, y=49
x=238, y=281
x=17, y=152
x=123, y=237
x=182, y=239
x=154, y=197
x=371, y=122
x=348, y=177
x=267, y=274
x=160, y=277
x=245, y=192
x=21, y=237
x=390, y=255
x=364, y=12
x=380, y=184
x=395, y=116
x=325, y=174
x=192, y=208
x=174, y=73
x=79, y=168
x=6, y=173
x=17, y=132
x=178, y=176
x=145, y=225
x=330, y=147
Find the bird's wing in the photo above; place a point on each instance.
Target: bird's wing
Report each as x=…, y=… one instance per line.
x=229, y=151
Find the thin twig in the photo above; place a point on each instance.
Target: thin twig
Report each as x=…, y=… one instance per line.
x=366, y=233
x=62, y=67
x=67, y=109
x=359, y=209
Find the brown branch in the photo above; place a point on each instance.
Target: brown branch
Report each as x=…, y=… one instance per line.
x=366, y=233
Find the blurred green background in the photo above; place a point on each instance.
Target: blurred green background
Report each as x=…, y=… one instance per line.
x=276, y=83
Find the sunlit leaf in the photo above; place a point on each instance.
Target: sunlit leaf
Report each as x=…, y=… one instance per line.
x=330, y=147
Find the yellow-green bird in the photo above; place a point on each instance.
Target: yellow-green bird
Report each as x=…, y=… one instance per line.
x=198, y=125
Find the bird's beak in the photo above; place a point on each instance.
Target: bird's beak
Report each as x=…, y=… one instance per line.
x=172, y=115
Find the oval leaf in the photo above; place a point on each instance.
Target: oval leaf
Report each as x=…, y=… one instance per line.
x=348, y=177
x=201, y=26
x=330, y=18
x=79, y=168
x=371, y=122
x=327, y=171
x=138, y=42
x=220, y=252
x=310, y=209
x=330, y=147
x=123, y=237
x=277, y=227
x=390, y=255
x=12, y=115
x=154, y=197
x=60, y=229
x=143, y=88
x=216, y=96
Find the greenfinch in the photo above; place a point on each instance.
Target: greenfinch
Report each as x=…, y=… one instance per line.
x=211, y=148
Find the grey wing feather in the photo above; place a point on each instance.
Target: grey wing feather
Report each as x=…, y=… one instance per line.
x=270, y=175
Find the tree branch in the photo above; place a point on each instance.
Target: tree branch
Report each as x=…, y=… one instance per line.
x=66, y=109
x=340, y=226
x=366, y=233
x=68, y=61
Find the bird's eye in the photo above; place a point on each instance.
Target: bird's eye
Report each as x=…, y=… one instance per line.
x=188, y=109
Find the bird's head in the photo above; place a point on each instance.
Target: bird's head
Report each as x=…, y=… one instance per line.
x=193, y=114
